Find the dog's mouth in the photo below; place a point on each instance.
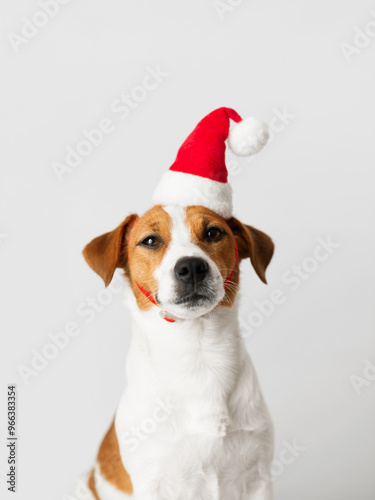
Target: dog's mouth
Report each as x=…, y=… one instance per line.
x=191, y=300
x=195, y=299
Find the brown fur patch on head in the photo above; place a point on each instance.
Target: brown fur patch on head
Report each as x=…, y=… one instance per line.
x=253, y=244
x=223, y=252
x=123, y=248
x=109, y=251
x=142, y=260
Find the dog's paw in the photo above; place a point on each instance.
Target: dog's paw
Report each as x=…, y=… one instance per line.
x=216, y=425
x=223, y=426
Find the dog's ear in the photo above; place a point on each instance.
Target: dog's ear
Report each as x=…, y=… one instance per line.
x=108, y=251
x=254, y=244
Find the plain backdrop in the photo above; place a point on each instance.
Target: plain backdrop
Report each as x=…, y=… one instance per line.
x=315, y=180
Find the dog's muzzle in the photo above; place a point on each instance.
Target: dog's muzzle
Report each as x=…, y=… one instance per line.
x=190, y=271
x=192, y=277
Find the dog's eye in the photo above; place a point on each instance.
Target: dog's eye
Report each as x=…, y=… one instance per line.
x=213, y=234
x=150, y=242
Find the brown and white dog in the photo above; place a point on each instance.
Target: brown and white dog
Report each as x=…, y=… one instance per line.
x=192, y=423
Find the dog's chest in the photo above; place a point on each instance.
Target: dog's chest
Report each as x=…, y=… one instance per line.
x=186, y=439
x=185, y=416
x=204, y=367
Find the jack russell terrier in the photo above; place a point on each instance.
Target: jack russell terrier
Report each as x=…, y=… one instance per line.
x=192, y=423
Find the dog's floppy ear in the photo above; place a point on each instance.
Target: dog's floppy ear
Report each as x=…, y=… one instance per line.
x=254, y=244
x=108, y=251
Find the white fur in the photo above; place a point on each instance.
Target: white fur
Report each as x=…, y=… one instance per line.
x=177, y=188
x=248, y=137
x=215, y=441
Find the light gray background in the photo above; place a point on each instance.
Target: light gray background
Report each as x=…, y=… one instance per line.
x=314, y=179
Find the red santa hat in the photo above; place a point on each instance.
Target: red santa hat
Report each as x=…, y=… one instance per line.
x=199, y=175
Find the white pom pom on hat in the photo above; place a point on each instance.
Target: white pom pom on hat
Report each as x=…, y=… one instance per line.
x=199, y=175
x=248, y=137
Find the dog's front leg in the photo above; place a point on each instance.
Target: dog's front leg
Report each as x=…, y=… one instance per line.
x=167, y=490
x=181, y=477
x=215, y=425
x=208, y=418
x=179, y=489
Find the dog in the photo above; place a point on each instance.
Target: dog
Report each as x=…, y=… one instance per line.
x=192, y=423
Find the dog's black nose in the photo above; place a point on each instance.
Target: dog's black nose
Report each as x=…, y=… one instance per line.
x=190, y=269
